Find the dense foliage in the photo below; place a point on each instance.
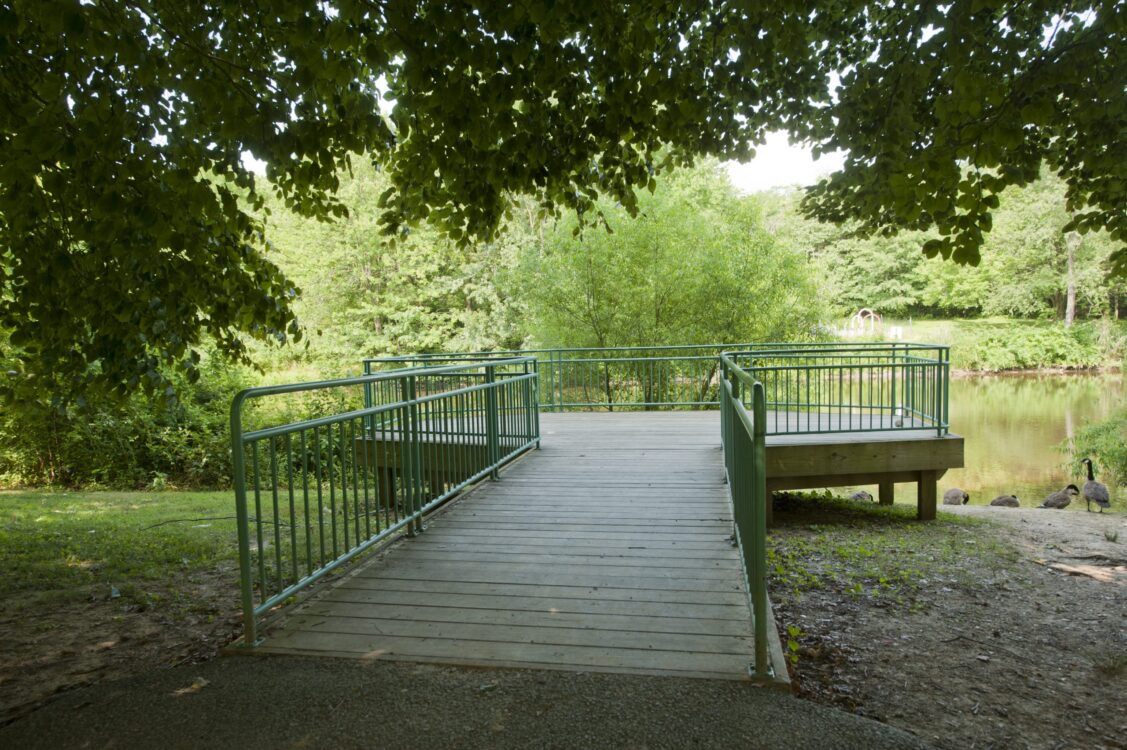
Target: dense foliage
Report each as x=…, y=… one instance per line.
x=695, y=266
x=1026, y=270
x=362, y=298
x=124, y=246
x=140, y=441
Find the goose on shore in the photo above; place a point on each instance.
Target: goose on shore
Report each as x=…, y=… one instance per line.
x=861, y=495
x=1006, y=501
x=1061, y=498
x=955, y=496
x=1095, y=492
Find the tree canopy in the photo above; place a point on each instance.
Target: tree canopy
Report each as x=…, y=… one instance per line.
x=695, y=266
x=129, y=229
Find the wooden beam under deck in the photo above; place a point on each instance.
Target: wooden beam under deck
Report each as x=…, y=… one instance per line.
x=884, y=458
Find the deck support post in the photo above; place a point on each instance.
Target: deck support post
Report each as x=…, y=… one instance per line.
x=886, y=492
x=926, y=493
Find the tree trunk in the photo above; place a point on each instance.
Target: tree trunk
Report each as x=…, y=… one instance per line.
x=1072, y=241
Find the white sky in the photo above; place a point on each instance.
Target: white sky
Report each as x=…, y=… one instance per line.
x=777, y=163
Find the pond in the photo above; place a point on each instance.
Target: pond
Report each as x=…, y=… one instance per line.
x=1013, y=426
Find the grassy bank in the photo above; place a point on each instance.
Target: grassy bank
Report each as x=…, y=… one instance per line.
x=996, y=344
x=105, y=585
x=70, y=546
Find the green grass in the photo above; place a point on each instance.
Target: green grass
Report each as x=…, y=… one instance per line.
x=864, y=550
x=64, y=544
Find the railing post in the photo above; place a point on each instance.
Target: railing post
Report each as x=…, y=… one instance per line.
x=896, y=410
x=947, y=389
x=412, y=458
x=492, y=420
x=944, y=377
x=239, y=476
x=758, y=571
x=369, y=401
x=534, y=398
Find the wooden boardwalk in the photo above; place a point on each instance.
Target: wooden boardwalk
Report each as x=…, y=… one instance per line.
x=607, y=550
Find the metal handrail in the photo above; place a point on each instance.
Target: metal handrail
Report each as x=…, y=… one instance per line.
x=853, y=388
x=340, y=483
x=834, y=386
x=744, y=436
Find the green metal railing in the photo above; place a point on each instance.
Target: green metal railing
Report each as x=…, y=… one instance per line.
x=814, y=387
x=744, y=436
x=611, y=378
x=852, y=387
x=379, y=451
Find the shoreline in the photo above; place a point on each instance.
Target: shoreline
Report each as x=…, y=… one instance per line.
x=1057, y=370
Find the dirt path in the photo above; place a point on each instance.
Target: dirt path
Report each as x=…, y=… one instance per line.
x=48, y=647
x=1013, y=635
x=1078, y=543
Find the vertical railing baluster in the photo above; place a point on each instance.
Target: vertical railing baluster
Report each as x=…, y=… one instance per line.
x=276, y=519
x=331, y=453
x=305, y=504
x=295, y=557
x=262, y=581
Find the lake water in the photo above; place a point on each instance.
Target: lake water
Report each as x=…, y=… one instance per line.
x=1013, y=426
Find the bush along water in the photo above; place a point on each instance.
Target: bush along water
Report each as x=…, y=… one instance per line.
x=1106, y=444
x=1031, y=346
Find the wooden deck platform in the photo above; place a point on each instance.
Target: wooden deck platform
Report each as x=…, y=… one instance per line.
x=607, y=550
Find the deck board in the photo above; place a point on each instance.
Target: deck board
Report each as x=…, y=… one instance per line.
x=607, y=550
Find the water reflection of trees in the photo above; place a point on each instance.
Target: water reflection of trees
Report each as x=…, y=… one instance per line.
x=1013, y=426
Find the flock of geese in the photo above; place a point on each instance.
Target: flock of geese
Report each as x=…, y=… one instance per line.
x=1092, y=492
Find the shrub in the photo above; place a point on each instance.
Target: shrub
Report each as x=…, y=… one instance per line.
x=1106, y=443
x=135, y=443
x=1026, y=347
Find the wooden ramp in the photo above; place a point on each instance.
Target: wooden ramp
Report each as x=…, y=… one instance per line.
x=607, y=550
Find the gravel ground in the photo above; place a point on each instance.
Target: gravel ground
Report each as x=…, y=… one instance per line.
x=288, y=702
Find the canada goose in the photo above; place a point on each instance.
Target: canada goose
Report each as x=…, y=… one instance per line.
x=1006, y=501
x=1061, y=498
x=861, y=495
x=1095, y=492
x=955, y=496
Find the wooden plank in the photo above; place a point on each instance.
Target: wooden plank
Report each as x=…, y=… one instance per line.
x=721, y=606
x=605, y=535
x=669, y=596
x=532, y=654
x=868, y=457
x=696, y=643
x=477, y=663
x=583, y=576
x=533, y=618
x=556, y=560
x=641, y=526
x=506, y=547
x=449, y=535
x=887, y=492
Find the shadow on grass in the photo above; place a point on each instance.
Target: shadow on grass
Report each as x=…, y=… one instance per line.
x=795, y=509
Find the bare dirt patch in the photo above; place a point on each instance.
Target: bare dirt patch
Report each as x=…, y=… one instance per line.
x=51, y=644
x=1008, y=632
